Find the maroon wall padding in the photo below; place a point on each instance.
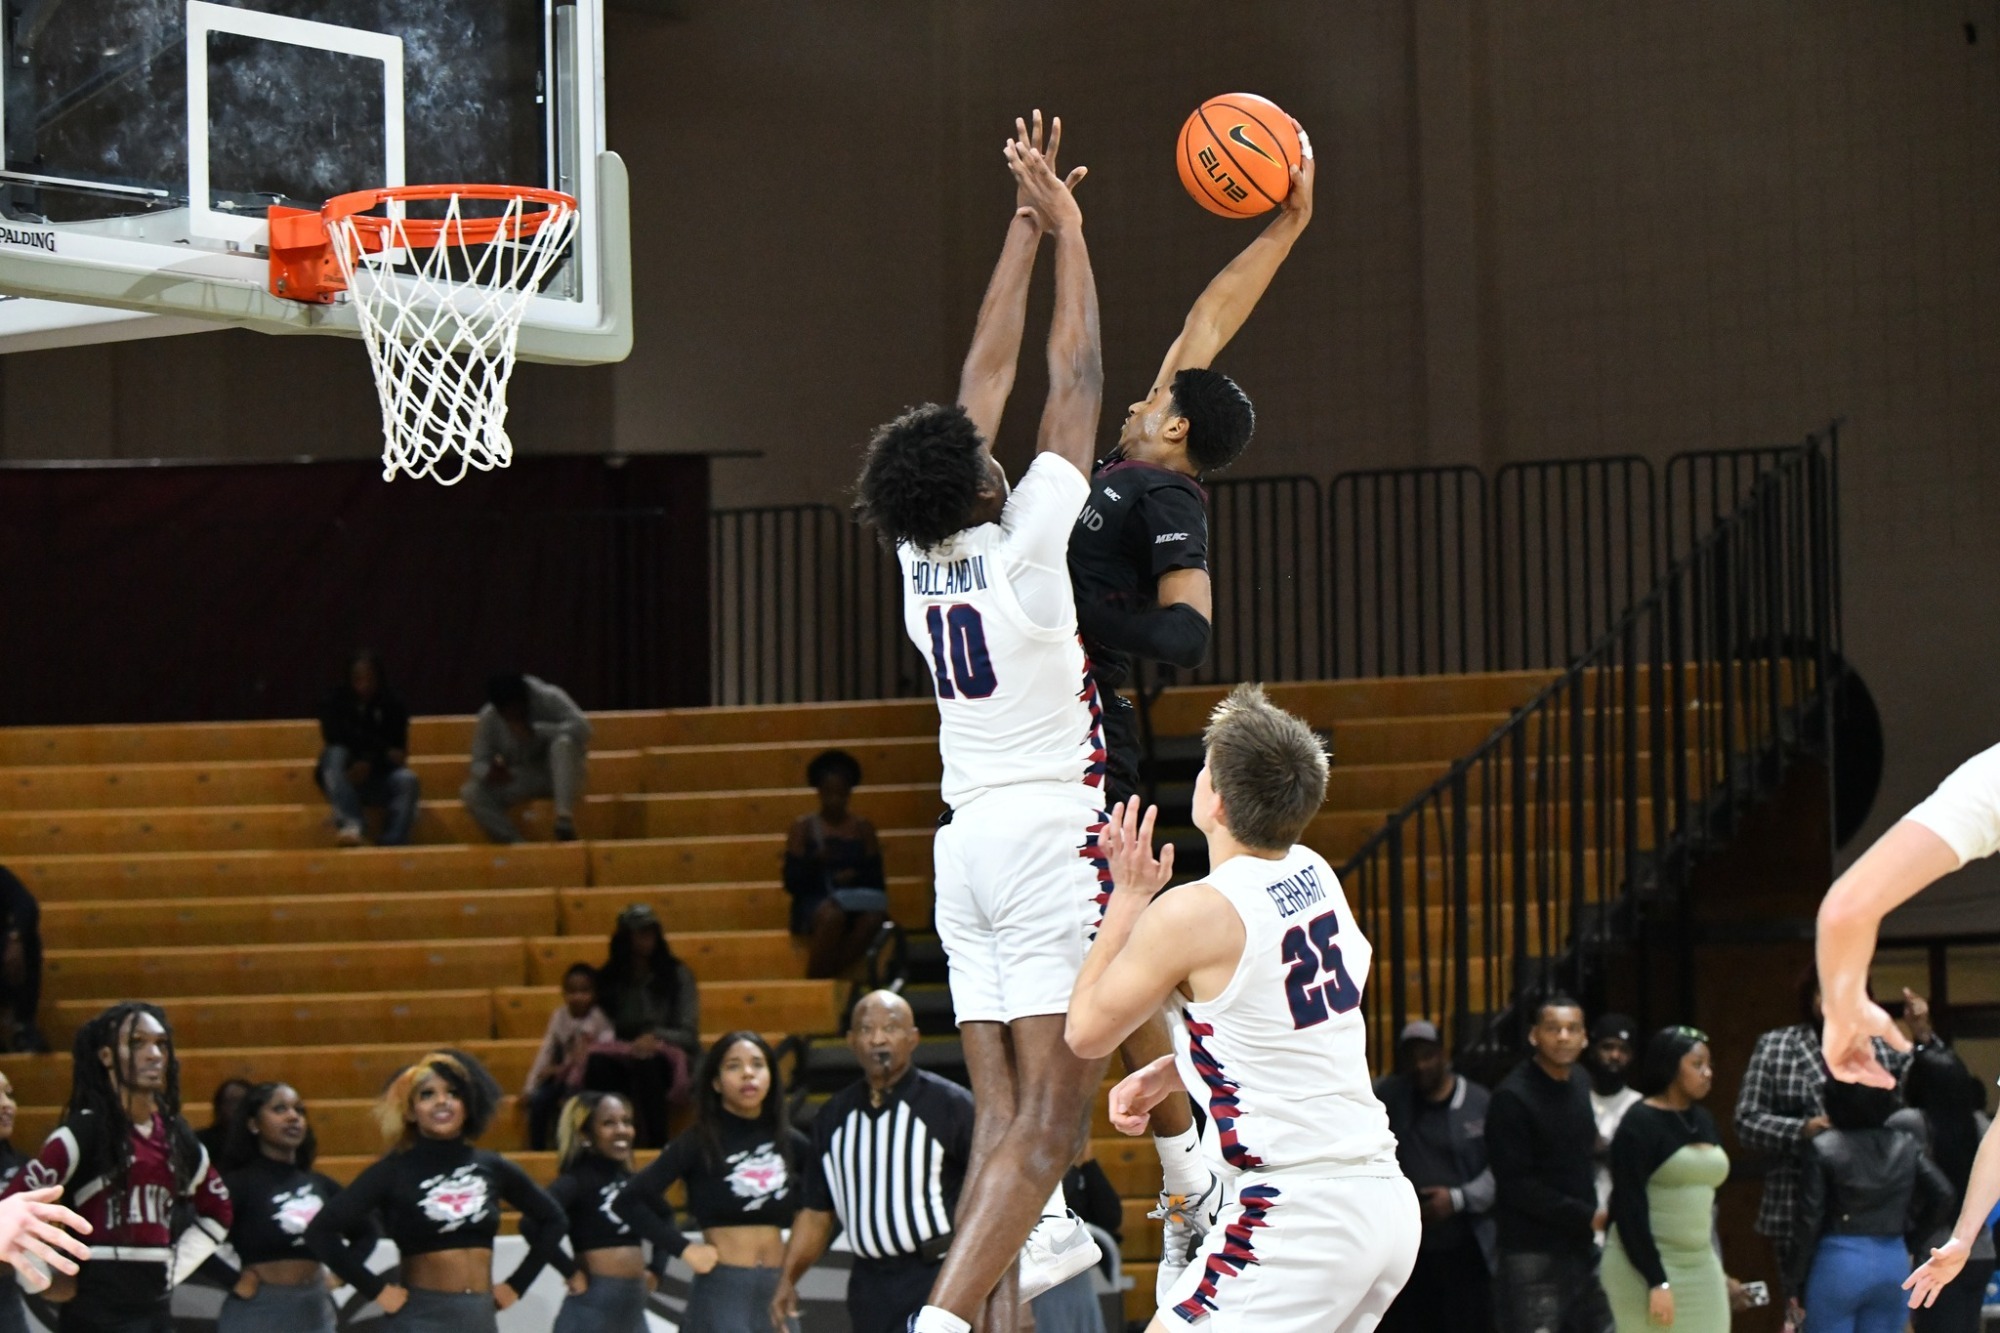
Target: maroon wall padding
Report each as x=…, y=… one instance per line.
x=182, y=593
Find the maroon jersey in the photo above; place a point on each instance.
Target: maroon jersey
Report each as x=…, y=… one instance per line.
x=135, y=1223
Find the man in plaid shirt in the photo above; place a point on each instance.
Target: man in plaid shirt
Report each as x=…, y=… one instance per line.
x=1781, y=1106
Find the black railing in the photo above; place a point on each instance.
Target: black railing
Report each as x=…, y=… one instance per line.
x=1595, y=799
x=1393, y=572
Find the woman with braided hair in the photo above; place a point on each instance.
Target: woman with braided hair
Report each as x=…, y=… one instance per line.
x=438, y=1198
x=124, y=1157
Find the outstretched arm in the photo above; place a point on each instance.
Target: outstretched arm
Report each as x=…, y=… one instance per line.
x=988, y=374
x=1076, y=358
x=1233, y=293
x=1960, y=822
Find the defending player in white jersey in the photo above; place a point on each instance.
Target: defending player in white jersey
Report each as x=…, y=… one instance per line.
x=1267, y=965
x=987, y=601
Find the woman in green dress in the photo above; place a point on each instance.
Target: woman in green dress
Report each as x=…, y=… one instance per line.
x=1660, y=1266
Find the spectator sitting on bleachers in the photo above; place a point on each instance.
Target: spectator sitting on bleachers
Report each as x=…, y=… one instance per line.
x=20, y=963
x=655, y=1009
x=366, y=733
x=833, y=871
x=530, y=742
x=228, y=1097
x=575, y=1027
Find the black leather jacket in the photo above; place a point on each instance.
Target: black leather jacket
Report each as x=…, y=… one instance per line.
x=1868, y=1182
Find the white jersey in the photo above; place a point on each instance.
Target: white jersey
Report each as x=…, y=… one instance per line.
x=1281, y=1055
x=990, y=609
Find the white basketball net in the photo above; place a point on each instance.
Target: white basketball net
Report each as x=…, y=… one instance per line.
x=440, y=321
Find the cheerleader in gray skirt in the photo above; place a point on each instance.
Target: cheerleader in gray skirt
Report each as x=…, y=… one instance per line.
x=439, y=1199
x=608, y=1278
x=740, y=1163
x=267, y=1165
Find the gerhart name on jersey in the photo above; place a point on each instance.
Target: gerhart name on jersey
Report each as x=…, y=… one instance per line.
x=1295, y=893
x=947, y=578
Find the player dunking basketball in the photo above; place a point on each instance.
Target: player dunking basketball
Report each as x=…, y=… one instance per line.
x=1139, y=561
x=1267, y=963
x=987, y=601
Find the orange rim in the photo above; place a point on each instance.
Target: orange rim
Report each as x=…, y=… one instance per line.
x=430, y=232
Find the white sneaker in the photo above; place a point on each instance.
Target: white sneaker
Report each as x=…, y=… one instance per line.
x=348, y=834
x=1057, y=1250
x=1187, y=1222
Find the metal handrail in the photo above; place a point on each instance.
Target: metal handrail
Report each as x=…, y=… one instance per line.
x=1595, y=797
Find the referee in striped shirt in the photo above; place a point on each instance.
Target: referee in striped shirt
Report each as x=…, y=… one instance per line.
x=890, y=1155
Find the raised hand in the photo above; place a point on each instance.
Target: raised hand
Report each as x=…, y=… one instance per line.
x=1043, y=194
x=1936, y=1273
x=1127, y=843
x=1298, y=205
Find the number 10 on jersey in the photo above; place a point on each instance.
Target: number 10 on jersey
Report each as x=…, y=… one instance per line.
x=1311, y=951
x=958, y=652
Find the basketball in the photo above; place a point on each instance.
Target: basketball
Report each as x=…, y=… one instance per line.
x=1236, y=155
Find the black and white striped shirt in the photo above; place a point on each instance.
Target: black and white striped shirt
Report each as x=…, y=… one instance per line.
x=891, y=1173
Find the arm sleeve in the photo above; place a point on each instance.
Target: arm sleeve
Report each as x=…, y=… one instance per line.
x=563, y=1190
x=1475, y=1195
x=329, y=720
x=1933, y=1201
x=568, y=720
x=803, y=876
x=642, y=1203
x=396, y=725
x=1177, y=634
x=213, y=1214
x=1811, y=1214
x=1636, y=1152
x=1509, y=1134
x=543, y=1221
x=1758, y=1123
x=53, y=1165
x=1038, y=519
x=216, y=1270
x=816, y=1191
x=545, y=1057
x=1965, y=809
x=1176, y=524
x=330, y=1236
x=686, y=1031
x=485, y=741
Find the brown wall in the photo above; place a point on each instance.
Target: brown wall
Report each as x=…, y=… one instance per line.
x=1545, y=227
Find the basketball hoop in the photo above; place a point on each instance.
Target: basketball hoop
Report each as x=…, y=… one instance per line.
x=440, y=302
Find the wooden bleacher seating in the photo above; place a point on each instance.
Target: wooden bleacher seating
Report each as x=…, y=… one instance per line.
x=194, y=864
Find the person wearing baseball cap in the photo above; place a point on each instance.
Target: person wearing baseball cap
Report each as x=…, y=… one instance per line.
x=1439, y=1118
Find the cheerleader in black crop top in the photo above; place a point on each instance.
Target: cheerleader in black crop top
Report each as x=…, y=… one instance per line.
x=438, y=1198
x=267, y=1160
x=741, y=1164
x=608, y=1276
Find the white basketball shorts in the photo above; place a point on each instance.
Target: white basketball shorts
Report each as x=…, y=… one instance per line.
x=1299, y=1253
x=1021, y=888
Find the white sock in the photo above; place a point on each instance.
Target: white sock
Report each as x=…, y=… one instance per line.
x=1057, y=1206
x=931, y=1319
x=1181, y=1169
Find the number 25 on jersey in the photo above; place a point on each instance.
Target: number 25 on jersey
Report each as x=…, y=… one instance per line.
x=958, y=652
x=1311, y=951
